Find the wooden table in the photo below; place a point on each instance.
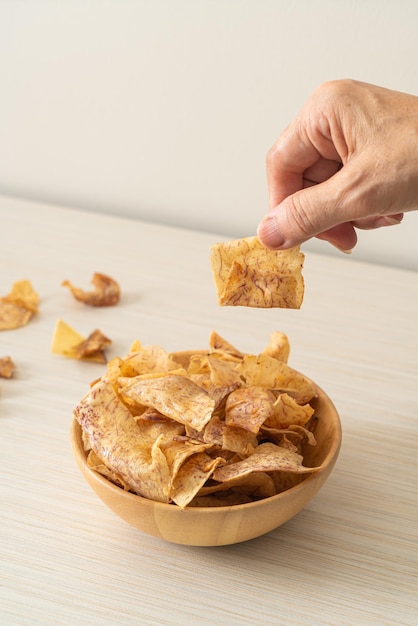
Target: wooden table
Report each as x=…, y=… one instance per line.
x=350, y=557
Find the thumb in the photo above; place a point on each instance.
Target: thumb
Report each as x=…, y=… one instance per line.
x=315, y=211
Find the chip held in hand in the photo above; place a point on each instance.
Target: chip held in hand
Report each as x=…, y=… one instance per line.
x=248, y=274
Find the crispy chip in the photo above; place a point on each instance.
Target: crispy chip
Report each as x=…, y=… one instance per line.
x=172, y=395
x=229, y=437
x=7, y=367
x=138, y=460
x=191, y=476
x=93, y=346
x=96, y=464
x=286, y=411
x=216, y=342
x=106, y=291
x=213, y=429
x=278, y=347
x=264, y=371
x=267, y=458
x=249, y=408
x=248, y=274
x=68, y=342
x=257, y=485
x=17, y=308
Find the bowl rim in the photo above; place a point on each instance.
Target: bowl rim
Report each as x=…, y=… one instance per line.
x=327, y=463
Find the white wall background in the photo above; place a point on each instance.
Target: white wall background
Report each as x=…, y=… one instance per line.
x=165, y=109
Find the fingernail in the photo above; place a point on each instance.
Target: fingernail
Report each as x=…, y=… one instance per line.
x=269, y=234
x=389, y=221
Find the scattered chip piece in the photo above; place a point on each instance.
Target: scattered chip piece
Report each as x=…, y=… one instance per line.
x=17, y=308
x=7, y=367
x=248, y=274
x=218, y=428
x=68, y=342
x=106, y=291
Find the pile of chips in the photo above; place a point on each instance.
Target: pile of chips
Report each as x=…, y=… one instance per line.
x=214, y=428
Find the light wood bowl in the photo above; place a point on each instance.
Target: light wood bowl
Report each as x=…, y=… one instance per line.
x=216, y=526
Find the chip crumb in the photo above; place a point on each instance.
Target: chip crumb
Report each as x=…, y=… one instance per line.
x=17, y=308
x=69, y=343
x=7, y=367
x=106, y=291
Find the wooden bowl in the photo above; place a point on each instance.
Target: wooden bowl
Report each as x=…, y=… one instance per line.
x=216, y=526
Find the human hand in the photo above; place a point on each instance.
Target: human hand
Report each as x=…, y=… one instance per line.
x=349, y=160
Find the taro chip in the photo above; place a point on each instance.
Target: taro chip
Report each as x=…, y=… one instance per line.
x=249, y=408
x=7, y=367
x=264, y=371
x=230, y=438
x=223, y=373
x=286, y=411
x=178, y=451
x=267, y=458
x=93, y=346
x=152, y=425
x=17, y=308
x=112, y=429
x=106, y=291
x=150, y=359
x=248, y=274
x=191, y=477
x=172, y=395
x=218, y=343
x=278, y=347
x=257, y=485
x=68, y=342
x=96, y=464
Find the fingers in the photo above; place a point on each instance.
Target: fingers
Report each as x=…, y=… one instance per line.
x=378, y=221
x=307, y=213
x=315, y=212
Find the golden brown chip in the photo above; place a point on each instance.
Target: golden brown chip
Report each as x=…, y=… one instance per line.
x=17, y=308
x=248, y=274
x=68, y=342
x=117, y=439
x=278, y=347
x=106, y=291
x=286, y=411
x=172, y=395
x=232, y=438
x=93, y=346
x=264, y=371
x=191, y=476
x=216, y=342
x=257, y=485
x=7, y=367
x=267, y=458
x=249, y=408
x=96, y=464
x=150, y=360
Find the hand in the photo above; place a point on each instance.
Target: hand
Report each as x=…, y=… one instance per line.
x=349, y=160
